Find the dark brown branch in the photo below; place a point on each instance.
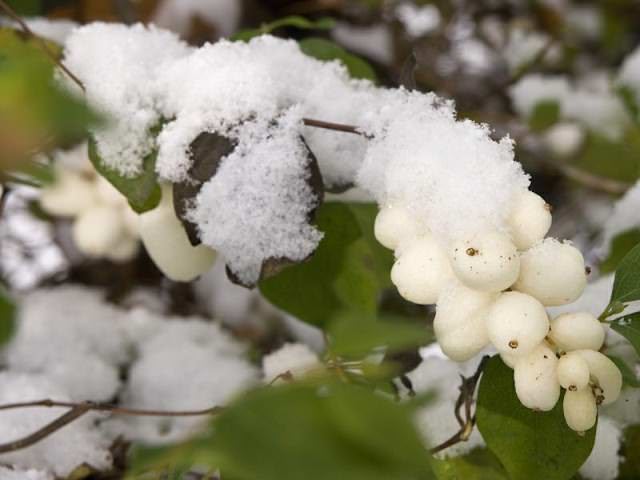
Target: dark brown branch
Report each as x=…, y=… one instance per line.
x=33, y=438
x=43, y=45
x=465, y=399
x=116, y=410
x=338, y=127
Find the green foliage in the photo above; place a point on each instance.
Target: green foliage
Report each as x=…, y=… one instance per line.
x=544, y=115
x=529, y=444
x=35, y=113
x=629, y=328
x=620, y=246
x=479, y=464
x=629, y=377
x=327, y=50
x=7, y=316
x=26, y=7
x=142, y=191
x=615, y=159
x=291, y=21
x=626, y=286
x=630, y=446
x=346, y=274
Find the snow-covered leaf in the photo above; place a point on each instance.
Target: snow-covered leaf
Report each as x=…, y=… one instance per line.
x=142, y=191
x=347, y=273
x=529, y=444
x=326, y=50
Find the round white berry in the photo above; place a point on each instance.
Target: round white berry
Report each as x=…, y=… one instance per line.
x=97, y=230
x=573, y=371
x=167, y=244
x=529, y=219
x=580, y=410
x=460, y=323
x=69, y=196
x=421, y=270
x=487, y=262
x=509, y=359
x=108, y=194
x=576, y=331
x=393, y=225
x=606, y=376
x=553, y=272
x=535, y=379
x=124, y=249
x=564, y=139
x=516, y=323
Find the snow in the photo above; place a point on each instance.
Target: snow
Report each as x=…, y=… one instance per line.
x=54, y=29
x=523, y=46
x=117, y=65
x=7, y=473
x=421, y=157
x=295, y=358
x=178, y=15
x=604, y=460
x=418, y=20
x=629, y=74
x=591, y=101
x=374, y=41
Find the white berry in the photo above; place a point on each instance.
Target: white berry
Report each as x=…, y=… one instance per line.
x=535, y=379
x=393, y=225
x=580, y=410
x=168, y=246
x=606, y=375
x=529, y=219
x=421, y=270
x=124, y=249
x=576, y=331
x=517, y=323
x=553, y=272
x=97, y=230
x=460, y=321
x=487, y=262
x=573, y=371
x=70, y=194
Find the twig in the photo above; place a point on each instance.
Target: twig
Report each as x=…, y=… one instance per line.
x=43, y=45
x=465, y=399
x=116, y=410
x=33, y=438
x=338, y=127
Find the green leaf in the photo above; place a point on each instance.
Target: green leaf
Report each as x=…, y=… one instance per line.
x=142, y=191
x=620, y=246
x=530, y=445
x=353, y=336
x=629, y=328
x=347, y=273
x=615, y=159
x=327, y=50
x=295, y=21
x=628, y=97
x=629, y=448
x=319, y=432
x=7, y=316
x=26, y=7
x=544, y=115
x=629, y=378
x=479, y=464
x=626, y=285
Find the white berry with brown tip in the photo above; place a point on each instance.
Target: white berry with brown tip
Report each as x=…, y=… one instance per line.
x=488, y=262
x=517, y=323
x=460, y=321
x=553, y=272
x=421, y=270
x=605, y=374
x=580, y=409
x=535, y=379
x=529, y=219
x=577, y=331
x=573, y=371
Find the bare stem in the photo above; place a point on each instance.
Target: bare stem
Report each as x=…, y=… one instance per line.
x=43, y=45
x=338, y=127
x=465, y=399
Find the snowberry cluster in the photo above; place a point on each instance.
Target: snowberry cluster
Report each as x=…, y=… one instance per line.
x=492, y=288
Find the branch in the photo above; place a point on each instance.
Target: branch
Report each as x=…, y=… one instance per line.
x=338, y=127
x=114, y=409
x=45, y=431
x=43, y=45
x=465, y=399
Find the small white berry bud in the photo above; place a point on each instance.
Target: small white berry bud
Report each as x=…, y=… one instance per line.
x=393, y=225
x=580, y=410
x=577, y=331
x=573, y=372
x=529, y=219
x=605, y=373
x=535, y=379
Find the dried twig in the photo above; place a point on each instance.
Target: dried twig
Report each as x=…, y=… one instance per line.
x=79, y=409
x=339, y=127
x=43, y=45
x=465, y=399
